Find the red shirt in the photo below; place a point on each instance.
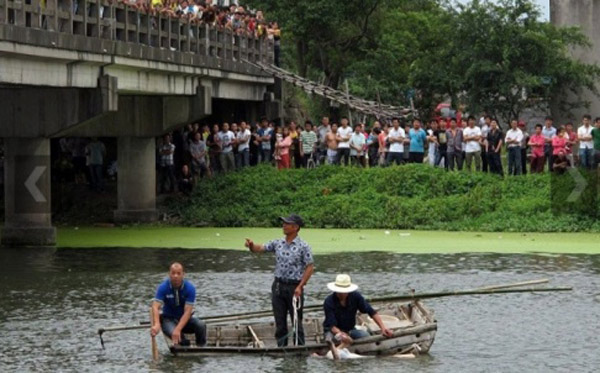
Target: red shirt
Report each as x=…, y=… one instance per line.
x=572, y=138
x=381, y=139
x=537, y=145
x=558, y=145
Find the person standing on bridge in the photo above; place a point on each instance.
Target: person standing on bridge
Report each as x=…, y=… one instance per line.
x=293, y=267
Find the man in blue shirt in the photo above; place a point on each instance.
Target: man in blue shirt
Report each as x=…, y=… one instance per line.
x=417, y=142
x=293, y=267
x=177, y=296
x=340, y=312
x=264, y=134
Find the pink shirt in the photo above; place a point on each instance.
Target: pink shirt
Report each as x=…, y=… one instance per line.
x=284, y=145
x=558, y=145
x=537, y=145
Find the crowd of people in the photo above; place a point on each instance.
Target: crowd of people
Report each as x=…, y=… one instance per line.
x=471, y=144
x=223, y=15
x=213, y=13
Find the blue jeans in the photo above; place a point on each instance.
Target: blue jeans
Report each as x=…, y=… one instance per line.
x=394, y=157
x=586, y=157
x=514, y=160
x=265, y=155
x=242, y=158
x=194, y=325
x=438, y=158
x=97, y=177
x=495, y=163
x=354, y=334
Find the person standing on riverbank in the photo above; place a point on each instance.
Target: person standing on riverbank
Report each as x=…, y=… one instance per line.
x=343, y=135
x=177, y=297
x=332, y=144
x=471, y=136
x=294, y=265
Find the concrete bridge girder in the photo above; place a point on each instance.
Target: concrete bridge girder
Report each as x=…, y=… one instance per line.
x=146, y=116
x=64, y=68
x=45, y=111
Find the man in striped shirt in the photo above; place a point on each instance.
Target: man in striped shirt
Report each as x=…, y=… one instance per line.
x=308, y=140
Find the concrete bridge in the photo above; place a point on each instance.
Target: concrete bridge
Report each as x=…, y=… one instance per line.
x=94, y=68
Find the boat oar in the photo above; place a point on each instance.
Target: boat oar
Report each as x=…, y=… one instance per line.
x=144, y=325
x=154, y=346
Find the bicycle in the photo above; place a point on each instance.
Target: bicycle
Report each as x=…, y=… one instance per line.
x=313, y=161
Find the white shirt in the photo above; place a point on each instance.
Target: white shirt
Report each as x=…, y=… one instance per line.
x=396, y=147
x=514, y=135
x=473, y=145
x=243, y=136
x=343, y=133
x=585, y=132
x=357, y=139
x=485, y=129
x=226, y=140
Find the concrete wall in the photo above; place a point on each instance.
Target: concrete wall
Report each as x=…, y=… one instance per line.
x=586, y=15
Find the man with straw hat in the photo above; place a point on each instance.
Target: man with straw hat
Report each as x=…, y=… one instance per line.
x=340, y=312
x=293, y=267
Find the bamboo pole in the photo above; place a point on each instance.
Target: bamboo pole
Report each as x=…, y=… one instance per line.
x=154, y=345
x=489, y=290
x=401, y=298
x=515, y=285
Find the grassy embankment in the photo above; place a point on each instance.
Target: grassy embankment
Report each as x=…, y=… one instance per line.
x=407, y=197
x=425, y=211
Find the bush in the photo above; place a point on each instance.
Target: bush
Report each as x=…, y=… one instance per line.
x=405, y=197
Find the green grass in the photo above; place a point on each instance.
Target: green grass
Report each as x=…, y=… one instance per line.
x=326, y=241
x=413, y=197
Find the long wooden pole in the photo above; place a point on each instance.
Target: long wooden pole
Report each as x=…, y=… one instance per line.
x=402, y=298
x=515, y=285
x=496, y=289
x=154, y=345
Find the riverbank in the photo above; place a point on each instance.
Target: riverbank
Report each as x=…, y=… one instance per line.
x=325, y=241
x=414, y=197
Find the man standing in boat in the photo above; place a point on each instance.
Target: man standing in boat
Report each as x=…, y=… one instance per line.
x=177, y=296
x=340, y=312
x=293, y=267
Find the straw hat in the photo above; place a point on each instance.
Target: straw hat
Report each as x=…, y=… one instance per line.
x=342, y=284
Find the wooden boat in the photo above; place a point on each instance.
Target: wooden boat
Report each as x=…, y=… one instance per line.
x=413, y=325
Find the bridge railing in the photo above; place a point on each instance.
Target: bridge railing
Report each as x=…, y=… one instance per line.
x=120, y=22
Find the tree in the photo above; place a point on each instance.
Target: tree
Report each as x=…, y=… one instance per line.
x=492, y=56
x=510, y=61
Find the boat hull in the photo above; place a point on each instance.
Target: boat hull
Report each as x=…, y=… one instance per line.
x=412, y=324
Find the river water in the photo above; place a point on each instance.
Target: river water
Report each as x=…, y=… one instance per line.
x=53, y=302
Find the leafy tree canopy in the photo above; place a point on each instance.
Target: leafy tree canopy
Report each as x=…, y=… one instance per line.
x=496, y=57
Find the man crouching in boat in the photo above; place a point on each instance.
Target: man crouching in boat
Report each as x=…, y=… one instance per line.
x=340, y=312
x=177, y=296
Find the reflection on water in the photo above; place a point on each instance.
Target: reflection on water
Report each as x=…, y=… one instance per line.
x=53, y=302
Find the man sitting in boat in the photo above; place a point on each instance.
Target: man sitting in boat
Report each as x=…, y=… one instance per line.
x=340, y=312
x=176, y=296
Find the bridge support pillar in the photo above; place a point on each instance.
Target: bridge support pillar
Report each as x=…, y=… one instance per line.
x=28, y=219
x=136, y=180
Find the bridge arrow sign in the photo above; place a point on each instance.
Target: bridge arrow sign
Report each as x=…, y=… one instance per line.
x=30, y=183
